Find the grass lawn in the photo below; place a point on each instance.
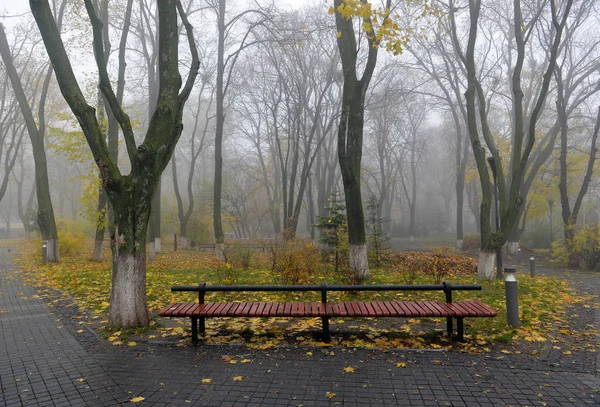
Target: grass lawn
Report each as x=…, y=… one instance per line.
x=542, y=300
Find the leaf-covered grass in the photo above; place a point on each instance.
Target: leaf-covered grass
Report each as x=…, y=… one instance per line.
x=541, y=299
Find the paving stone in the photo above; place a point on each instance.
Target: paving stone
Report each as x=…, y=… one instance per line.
x=47, y=361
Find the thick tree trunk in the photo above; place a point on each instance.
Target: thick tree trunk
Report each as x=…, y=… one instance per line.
x=359, y=261
x=128, y=291
x=486, y=265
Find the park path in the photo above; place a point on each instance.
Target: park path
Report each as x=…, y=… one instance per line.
x=44, y=353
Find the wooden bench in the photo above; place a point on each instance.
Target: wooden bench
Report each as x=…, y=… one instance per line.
x=199, y=311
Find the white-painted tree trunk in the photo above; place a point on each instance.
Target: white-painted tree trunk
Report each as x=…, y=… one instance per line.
x=184, y=243
x=220, y=251
x=98, y=250
x=459, y=245
x=359, y=262
x=157, y=247
x=128, y=291
x=151, y=251
x=513, y=248
x=486, y=265
x=52, y=251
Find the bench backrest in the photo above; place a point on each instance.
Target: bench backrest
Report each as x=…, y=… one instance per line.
x=446, y=287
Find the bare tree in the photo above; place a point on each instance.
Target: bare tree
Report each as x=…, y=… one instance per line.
x=36, y=130
x=510, y=199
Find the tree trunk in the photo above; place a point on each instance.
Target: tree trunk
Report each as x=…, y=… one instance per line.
x=45, y=216
x=486, y=264
x=218, y=185
x=128, y=290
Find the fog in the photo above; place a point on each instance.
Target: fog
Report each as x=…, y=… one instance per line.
x=280, y=98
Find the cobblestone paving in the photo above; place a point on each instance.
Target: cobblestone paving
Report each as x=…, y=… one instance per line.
x=44, y=353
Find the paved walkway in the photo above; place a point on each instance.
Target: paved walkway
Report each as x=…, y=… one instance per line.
x=47, y=359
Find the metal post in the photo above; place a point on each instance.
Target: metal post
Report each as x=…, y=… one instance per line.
x=512, y=300
x=44, y=252
x=532, y=266
x=551, y=204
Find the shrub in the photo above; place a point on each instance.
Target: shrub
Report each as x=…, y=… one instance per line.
x=295, y=260
x=239, y=256
x=438, y=264
x=584, y=249
x=226, y=274
x=71, y=243
x=471, y=242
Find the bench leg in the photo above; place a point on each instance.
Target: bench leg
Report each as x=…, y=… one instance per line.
x=449, y=326
x=194, y=329
x=459, y=328
x=326, y=336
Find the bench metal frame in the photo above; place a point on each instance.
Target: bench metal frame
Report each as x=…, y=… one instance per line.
x=323, y=288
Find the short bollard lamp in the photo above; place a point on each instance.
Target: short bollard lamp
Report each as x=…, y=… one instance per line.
x=44, y=252
x=512, y=299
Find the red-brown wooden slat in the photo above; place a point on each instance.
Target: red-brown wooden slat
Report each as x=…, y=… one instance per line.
x=424, y=308
x=167, y=311
x=480, y=308
x=387, y=308
x=258, y=309
x=414, y=310
x=180, y=312
x=222, y=309
x=393, y=308
x=243, y=310
x=235, y=309
x=266, y=309
x=356, y=310
x=485, y=309
x=301, y=309
x=370, y=310
x=341, y=309
x=193, y=310
x=295, y=312
x=276, y=309
x=398, y=309
x=431, y=309
x=409, y=312
x=230, y=310
x=471, y=307
x=287, y=311
x=459, y=309
x=472, y=310
x=253, y=309
x=377, y=308
x=443, y=311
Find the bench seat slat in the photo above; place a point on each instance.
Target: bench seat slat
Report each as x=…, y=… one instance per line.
x=396, y=309
x=434, y=312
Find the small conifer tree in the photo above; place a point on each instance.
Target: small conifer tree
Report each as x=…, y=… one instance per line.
x=377, y=239
x=333, y=225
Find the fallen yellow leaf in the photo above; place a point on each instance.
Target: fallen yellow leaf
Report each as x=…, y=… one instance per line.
x=207, y=380
x=330, y=395
x=238, y=378
x=138, y=399
x=349, y=369
x=401, y=364
x=131, y=343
